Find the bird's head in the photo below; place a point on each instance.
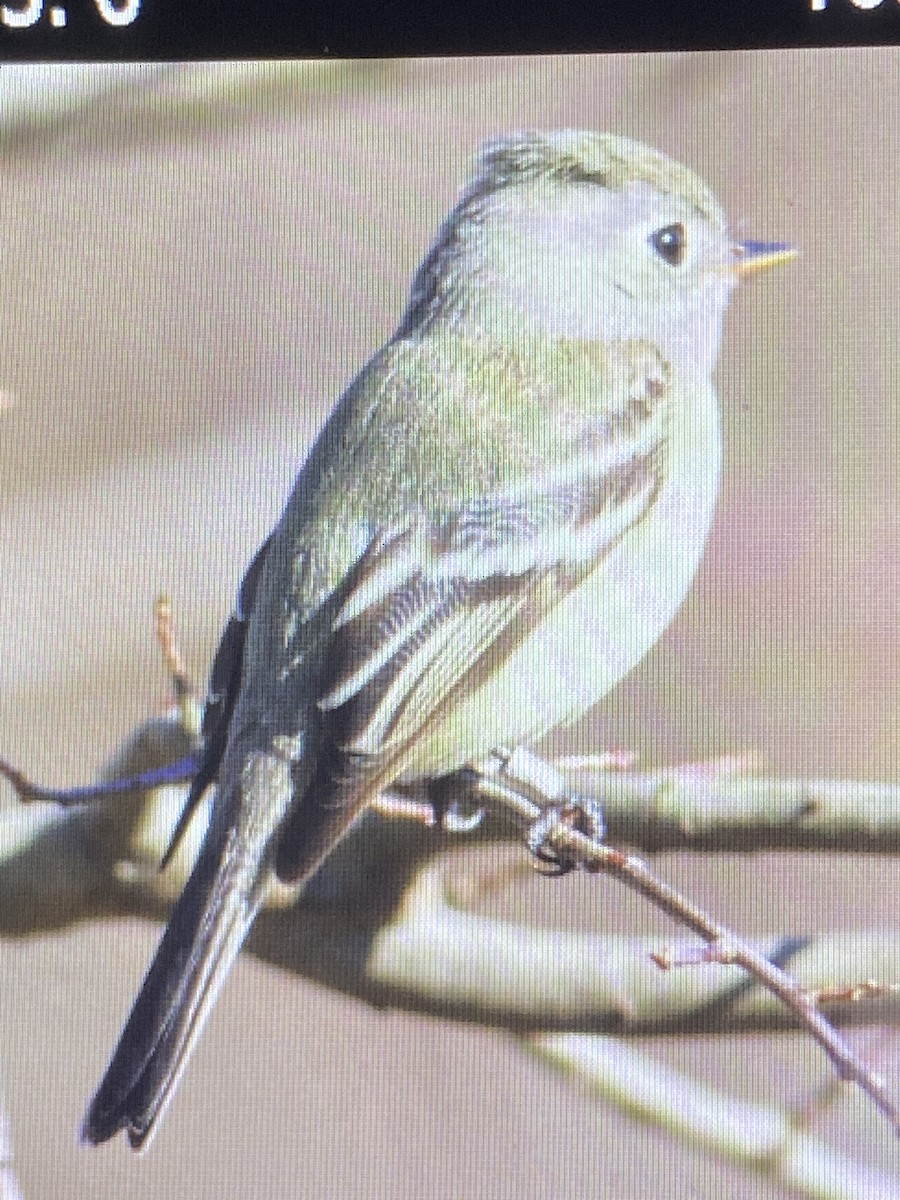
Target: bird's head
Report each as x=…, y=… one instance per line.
x=594, y=236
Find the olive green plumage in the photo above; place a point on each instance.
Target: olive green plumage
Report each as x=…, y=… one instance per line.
x=500, y=517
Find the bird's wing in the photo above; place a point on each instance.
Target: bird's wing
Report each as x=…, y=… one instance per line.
x=383, y=634
x=221, y=695
x=425, y=606
x=430, y=608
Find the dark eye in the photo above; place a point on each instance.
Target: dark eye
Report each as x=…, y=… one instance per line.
x=670, y=243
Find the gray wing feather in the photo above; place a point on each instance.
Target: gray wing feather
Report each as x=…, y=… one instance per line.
x=427, y=604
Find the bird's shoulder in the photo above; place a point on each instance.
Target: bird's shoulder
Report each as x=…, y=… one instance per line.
x=449, y=414
x=447, y=425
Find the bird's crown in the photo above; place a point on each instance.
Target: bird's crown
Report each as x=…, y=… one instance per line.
x=581, y=156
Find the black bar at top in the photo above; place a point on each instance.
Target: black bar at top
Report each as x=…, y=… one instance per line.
x=73, y=30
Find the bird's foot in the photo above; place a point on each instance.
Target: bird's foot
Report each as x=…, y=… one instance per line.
x=454, y=811
x=584, y=816
x=539, y=781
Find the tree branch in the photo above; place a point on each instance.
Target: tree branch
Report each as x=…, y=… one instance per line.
x=724, y=806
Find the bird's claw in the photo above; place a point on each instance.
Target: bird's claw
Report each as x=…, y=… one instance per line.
x=585, y=816
x=459, y=817
x=454, y=813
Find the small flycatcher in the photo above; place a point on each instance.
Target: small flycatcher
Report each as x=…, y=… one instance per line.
x=499, y=519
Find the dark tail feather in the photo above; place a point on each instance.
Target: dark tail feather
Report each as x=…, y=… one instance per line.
x=203, y=937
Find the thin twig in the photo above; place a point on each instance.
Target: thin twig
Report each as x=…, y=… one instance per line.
x=597, y=856
x=168, y=644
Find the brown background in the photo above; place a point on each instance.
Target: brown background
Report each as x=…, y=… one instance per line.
x=192, y=267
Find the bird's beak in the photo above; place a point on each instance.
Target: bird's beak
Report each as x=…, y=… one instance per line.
x=750, y=257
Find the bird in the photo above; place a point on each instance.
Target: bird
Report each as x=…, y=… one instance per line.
x=499, y=518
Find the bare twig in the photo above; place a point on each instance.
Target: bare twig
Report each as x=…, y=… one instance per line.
x=171, y=651
x=594, y=855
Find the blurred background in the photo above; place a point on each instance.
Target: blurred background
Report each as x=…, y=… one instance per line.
x=195, y=260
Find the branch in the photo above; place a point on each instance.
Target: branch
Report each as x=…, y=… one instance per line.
x=763, y=1138
x=385, y=917
x=508, y=780
x=724, y=806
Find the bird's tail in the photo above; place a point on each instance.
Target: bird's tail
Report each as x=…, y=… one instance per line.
x=202, y=940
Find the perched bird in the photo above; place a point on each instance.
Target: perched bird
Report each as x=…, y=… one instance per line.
x=498, y=520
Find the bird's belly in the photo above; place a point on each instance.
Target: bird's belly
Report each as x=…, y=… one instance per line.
x=603, y=628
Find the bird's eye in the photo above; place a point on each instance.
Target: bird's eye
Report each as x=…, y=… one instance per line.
x=670, y=243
